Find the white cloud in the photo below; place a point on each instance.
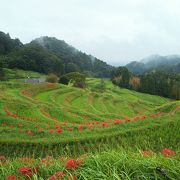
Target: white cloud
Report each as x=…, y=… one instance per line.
x=117, y=31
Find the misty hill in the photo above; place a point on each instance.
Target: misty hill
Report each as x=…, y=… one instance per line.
x=170, y=64
x=73, y=59
x=7, y=44
x=49, y=55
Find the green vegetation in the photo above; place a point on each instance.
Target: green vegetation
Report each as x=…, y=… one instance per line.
x=155, y=82
x=75, y=78
x=51, y=131
x=118, y=133
x=52, y=78
x=20, y=74
x=49, y=55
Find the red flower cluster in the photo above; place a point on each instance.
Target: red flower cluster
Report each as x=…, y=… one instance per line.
x=165, y=152
x=2, y=158
x=59, y=131
x=73, y=164
x=70, y=129
x=168, y=152
x=104, y=124
x=80, y=127
x=57, y=175
x=118, y=121
x=59, y=128
x=27, y=171
x=51, y=130
x=13, y=177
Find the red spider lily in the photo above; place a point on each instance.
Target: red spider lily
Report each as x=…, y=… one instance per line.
x=168, y=152
x=41, y=130
x=104, y=124
x=59, y=131
x=52, y=178
x=26, y=171
x=73, y=164
x=118, y=121
x=15, y=116
x=2, y=158
x=13, y=177
x=30, y=133
x=59, y=174
x=136, y=118
x=143, y=117
x=97, y=122
x=51, y=130
x=80, y=127
x=57, y=126
x=147, y=153
x=65, y=124
x=127, y=119
x=70, y=129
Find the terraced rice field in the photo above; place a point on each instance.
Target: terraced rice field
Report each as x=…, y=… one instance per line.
x=110, y=129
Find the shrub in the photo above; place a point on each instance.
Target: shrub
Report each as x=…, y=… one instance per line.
x=2, y=74
x=79, y=84
x=77, y=79
x=52, y=78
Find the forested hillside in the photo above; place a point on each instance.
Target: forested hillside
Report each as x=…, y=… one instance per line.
x=7, y=44
x=153, y=82
x=169, y=64
x=49, y=55
x=73, y=59
x=158, y=75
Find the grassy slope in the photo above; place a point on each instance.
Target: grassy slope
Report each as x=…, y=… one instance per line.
x=17, y=73
x=47, y=105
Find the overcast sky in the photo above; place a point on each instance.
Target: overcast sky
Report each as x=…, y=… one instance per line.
x=116, y=31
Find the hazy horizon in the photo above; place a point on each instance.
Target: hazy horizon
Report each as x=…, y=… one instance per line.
x=116, y=31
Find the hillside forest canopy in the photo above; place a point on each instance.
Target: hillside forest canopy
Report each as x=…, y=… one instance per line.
x=49, y=55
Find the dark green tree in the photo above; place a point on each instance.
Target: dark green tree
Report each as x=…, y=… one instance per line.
x=71, y=67
x=121, y=77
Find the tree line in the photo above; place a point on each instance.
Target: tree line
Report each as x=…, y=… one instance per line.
x=49, y=55
x=154, y=82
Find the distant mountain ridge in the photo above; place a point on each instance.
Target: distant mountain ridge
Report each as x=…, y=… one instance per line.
x=170, y=64
x=73, y=58
x=49, y=55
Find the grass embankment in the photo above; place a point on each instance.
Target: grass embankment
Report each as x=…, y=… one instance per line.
x=56, y=120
